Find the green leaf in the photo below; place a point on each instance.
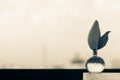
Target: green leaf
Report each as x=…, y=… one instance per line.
x=94, y=35
x=103, y=40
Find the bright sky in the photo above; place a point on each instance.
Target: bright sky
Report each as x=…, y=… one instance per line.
x=60, y=25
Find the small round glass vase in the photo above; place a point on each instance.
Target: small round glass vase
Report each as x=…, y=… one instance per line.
x=95, y=64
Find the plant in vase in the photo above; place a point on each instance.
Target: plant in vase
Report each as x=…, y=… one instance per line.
x=96, y=64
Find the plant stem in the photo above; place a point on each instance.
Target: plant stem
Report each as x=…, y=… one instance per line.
x=95, y=52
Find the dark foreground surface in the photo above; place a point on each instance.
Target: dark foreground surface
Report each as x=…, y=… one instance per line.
x=46, y=74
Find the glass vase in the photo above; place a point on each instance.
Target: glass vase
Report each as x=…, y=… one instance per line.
x=95, y=64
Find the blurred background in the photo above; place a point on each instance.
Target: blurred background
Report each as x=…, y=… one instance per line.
x=53, y=33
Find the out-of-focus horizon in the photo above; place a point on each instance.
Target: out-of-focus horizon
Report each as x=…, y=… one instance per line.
x=49, y=33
